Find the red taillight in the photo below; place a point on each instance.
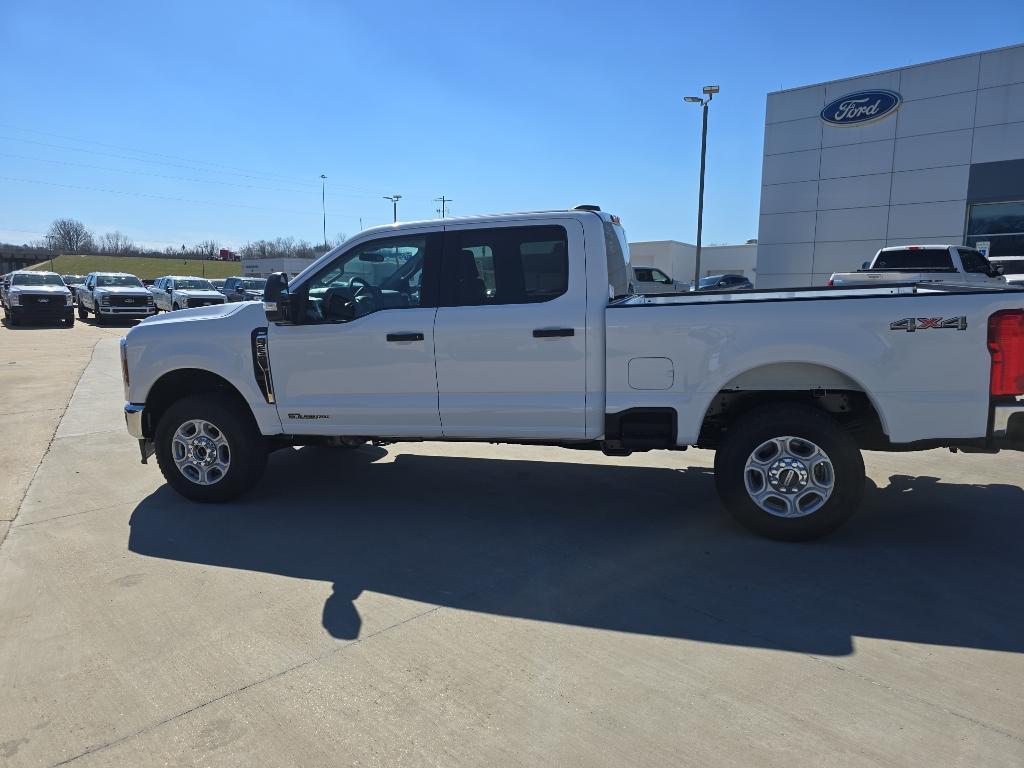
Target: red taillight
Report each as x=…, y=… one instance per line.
x=1006, y=344
x=831, y=282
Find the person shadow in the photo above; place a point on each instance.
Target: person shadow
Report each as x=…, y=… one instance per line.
x=617, y=547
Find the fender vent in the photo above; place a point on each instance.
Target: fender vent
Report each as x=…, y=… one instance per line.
x=261, y=364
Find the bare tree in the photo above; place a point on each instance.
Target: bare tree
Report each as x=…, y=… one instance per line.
x=208, y=249
x=69, y=236
x=116, y=242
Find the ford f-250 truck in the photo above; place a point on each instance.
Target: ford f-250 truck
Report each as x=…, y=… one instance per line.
x=516, y=328
x=110, y=295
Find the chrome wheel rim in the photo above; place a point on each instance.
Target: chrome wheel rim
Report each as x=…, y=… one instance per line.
x=201, y=452
x=789, y=477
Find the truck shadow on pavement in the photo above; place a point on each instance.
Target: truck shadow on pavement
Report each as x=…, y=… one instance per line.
x=630, y=549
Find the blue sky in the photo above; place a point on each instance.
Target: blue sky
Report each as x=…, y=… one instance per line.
x=194, y=120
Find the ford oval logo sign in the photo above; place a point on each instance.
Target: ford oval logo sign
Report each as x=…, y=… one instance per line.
x=861, y=107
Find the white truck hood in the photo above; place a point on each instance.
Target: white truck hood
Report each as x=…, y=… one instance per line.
x=198, y=293
x=123, y=290
x=173, y=320
x=39, y=290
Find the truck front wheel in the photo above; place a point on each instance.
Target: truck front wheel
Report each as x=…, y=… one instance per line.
x=789, y=472
x=209, y=449
x=83, y=313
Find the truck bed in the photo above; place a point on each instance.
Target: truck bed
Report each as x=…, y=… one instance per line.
x=808, y=294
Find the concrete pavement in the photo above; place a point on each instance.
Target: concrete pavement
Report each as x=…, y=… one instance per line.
x=456, y=604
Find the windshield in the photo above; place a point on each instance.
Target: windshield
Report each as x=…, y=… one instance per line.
x=254, y=284
x=194, y=283
x=29, y=279
x=707, y=282
x=73, y=279
x=914, y=258
x=118, y=281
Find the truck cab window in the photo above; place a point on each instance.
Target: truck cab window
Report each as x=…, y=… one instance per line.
x=374, y=276
x=511, y=265
x=973, y=261
x=660, y=277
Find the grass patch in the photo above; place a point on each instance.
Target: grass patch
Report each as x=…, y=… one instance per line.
x=140, y=266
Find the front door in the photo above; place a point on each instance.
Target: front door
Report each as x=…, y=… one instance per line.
x=511, y=332
x=371, y=374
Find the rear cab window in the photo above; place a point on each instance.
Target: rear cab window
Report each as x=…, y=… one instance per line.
x=915, y=259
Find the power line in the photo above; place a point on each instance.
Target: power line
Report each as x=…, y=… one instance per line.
x=147, y=152
x=161, y=197
x=175, y=178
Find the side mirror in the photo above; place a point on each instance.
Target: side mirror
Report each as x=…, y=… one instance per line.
x=996, y=270
x=275, y=296
x=866, y=265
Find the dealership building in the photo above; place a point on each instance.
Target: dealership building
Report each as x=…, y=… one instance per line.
x=931, y=153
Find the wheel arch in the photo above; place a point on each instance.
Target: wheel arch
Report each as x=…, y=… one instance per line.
x=826, y=387
x=185, y=382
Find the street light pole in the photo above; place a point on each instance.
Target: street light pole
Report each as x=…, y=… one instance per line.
x=323, y=203
x=709, y=91
x=394, y=206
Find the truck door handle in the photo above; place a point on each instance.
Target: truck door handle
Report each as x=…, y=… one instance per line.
x=405, y=337
x=550, y=333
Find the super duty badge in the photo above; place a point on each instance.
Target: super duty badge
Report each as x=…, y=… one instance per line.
x=912, y=324
x=308, y=416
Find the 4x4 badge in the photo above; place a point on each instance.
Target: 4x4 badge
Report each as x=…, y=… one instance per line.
x=912, y=324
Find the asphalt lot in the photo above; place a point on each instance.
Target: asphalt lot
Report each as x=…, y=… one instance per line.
x=429, y=604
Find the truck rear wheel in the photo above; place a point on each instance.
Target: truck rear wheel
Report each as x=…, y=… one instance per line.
x=789, y=472
x=83, y=313
x=209, y=448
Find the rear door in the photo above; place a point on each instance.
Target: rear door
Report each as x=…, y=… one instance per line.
x=510, y=334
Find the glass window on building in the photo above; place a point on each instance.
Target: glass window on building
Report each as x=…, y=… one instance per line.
x=1001, y=225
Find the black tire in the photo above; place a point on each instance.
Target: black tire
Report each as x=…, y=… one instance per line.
x=69, y=321
x=83, y=313
x=12, y=318
x=248, y=452
x=175, y=307
x=753, y=430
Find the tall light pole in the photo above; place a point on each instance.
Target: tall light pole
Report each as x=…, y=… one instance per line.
x=323, y=204
x=709, y=91
x=394, y=206
x=444, y=204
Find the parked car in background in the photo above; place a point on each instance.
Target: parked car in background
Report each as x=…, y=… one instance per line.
x=218, y=284
x=648, y=280
x=956, y=264
x=5, y=282
x=1011, y=267
x=244, y=288
x=724, y=283
x=110, y=295
x=174, y=292
x=37, y=296
x=73, y=282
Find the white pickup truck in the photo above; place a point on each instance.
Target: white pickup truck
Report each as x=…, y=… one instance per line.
x=516, y=328
x=174, y=292
x=113, y=295
x=924, y=264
